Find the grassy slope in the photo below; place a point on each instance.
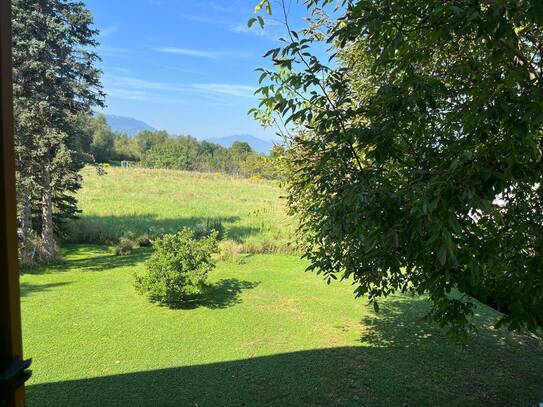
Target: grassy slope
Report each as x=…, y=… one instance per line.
x=269, y=334
x=137, y=199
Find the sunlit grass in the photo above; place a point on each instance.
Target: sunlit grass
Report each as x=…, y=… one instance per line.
x=139, y=200
x=267, y=334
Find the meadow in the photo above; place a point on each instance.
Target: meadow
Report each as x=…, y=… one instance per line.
x=140, y=201
x=266, y=333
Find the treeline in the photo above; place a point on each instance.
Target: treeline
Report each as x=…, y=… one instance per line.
x=158, y=149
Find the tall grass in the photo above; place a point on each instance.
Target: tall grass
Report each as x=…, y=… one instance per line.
x=148, y=201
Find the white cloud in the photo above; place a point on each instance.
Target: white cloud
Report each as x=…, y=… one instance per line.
x=188, y=52
x=107, y=31
x=184, y=70
x=272, y=30
x=225, y=89
x=140, y=89
x=135, y=83
x=204, y=54
x=122, y=70
x=127, y=94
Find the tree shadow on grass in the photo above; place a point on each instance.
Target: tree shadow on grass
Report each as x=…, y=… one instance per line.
x=495, y=367
x=91, y=259
x=291, y=379
x=105, y=229
x=222, y=294
x=320, y=377
x=27, y=289
x=398, y=363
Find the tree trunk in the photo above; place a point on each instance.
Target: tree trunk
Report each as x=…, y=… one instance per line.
x=47, y=230
x=26, y=217
x=27, y=247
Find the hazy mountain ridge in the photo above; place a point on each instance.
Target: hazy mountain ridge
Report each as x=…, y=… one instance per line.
x=128, y=125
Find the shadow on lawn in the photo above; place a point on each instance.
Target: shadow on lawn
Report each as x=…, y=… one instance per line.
x=99, y=260
x=222, y=294
x=400, y=363
x=29, y=288
x=105, y=229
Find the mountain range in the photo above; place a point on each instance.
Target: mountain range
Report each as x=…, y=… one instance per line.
x=127, y=125
x=131, y=126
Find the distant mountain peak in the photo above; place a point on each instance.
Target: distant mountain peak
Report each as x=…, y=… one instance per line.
x=128, y=125
x=257, y=144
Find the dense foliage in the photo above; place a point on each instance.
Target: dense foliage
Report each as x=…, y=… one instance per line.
x=176, y=272
x=415, y=155
x=158, y=149
x=55, y=82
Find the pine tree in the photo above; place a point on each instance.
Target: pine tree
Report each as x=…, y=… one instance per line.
x=55, y=82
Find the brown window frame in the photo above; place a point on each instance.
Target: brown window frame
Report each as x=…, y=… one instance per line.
x=11, y=347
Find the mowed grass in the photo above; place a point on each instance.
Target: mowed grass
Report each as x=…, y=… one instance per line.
x=267, y=334
x=152, y=201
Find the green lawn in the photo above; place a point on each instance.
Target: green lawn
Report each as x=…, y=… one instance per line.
x=135, y=200
x=267, y=334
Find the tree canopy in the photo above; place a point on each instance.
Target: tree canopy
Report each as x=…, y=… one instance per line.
x=415, y=152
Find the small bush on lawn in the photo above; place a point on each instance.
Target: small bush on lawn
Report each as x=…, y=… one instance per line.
x=209, y=227
x=125, y=245
x=176, y=273
x=144, y=240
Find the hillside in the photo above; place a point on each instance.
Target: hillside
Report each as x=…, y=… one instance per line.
x=257, y=144
x=127, y=125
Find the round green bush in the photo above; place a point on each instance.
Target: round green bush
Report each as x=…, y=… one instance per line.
x=176, y=273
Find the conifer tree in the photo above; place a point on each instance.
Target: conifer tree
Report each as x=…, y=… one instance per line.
x=55, y=82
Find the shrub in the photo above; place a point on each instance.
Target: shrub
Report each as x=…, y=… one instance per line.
x=144, y=240
x=231, y=251
x=125, y=245
x=156, y=232
x=209, y=227
x=31, y=251
x=177, y=271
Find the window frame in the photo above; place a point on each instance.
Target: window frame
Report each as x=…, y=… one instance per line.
x=11, y=348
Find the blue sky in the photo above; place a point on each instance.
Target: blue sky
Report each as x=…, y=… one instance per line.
x=186, y=66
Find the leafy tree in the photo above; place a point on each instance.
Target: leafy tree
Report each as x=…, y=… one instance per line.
x=147, y=139
x=240, y=148
x=125, y=148
x=171, y=154
x=55, y=81
x=416, y=154
x=208, y=148
x=102, y=140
